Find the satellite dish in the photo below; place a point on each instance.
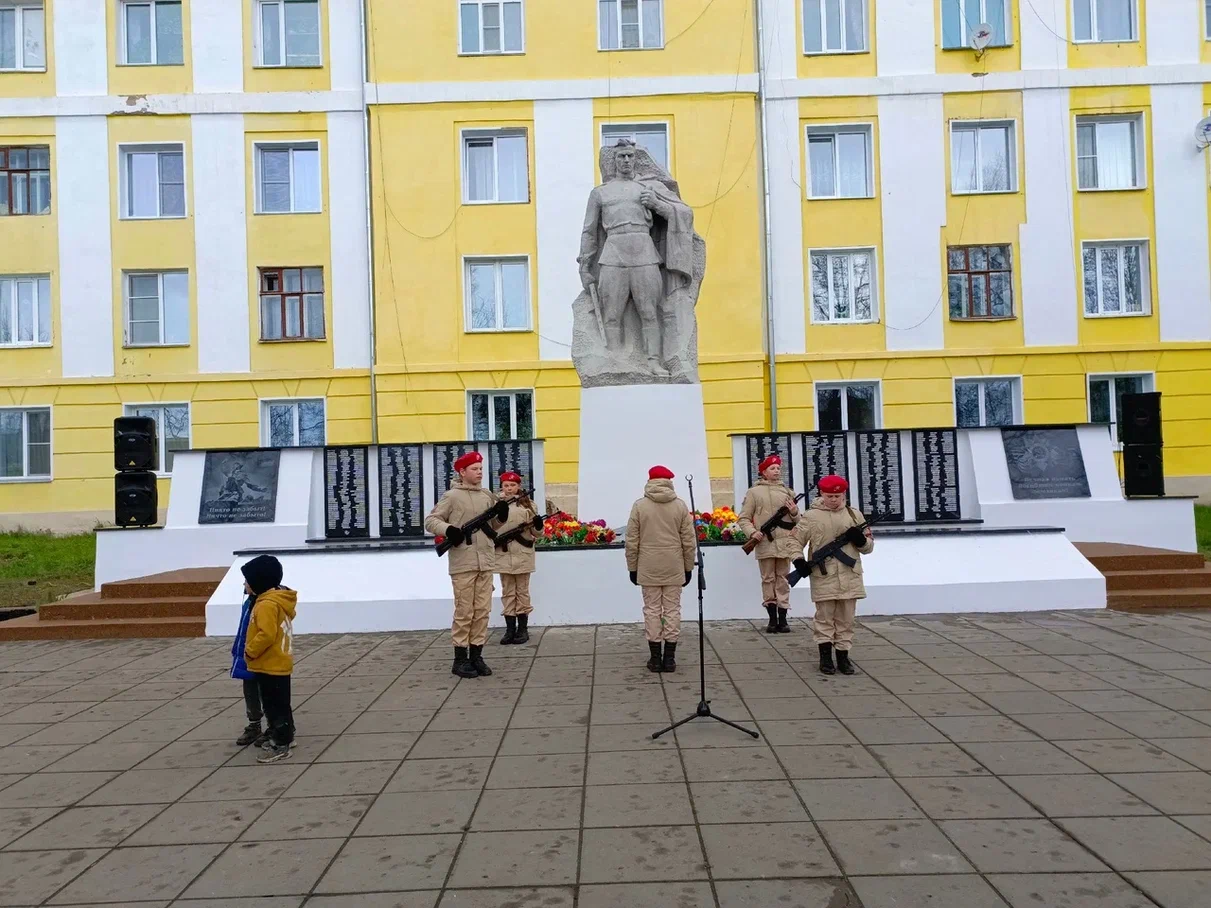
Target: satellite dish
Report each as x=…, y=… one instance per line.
x=981, y=38
x=1202, y=133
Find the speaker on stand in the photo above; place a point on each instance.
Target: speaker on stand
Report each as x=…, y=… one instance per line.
x=136, y=456
x=1143, y=444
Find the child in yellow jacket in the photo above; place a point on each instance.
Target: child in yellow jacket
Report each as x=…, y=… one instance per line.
x=268, y=650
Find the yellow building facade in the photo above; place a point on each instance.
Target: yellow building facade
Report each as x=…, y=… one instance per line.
x=277, y=222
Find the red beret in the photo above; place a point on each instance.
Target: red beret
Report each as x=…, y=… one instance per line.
x=769, y=462
x=832, y=485
x=659, y=472
x=467, y=459
x=510, y=477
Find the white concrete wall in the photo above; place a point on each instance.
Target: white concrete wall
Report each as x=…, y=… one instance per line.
x=347, y=206
x=216, y=29
x=782, y=42
x=1174, y=31
x=345, y=44
x=1044, y=27
x=904, y=31
x=80, y=61
x=786, y=198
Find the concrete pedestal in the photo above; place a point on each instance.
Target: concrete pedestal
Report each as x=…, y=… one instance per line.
x=624, y=431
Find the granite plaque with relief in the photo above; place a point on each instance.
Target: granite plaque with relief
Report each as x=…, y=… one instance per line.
x=824, y=454
x=935, y=473
x=511, y=457
x=444, y=457
x=759, y=447
x=1045, y=463
x=347, y=496
x=401, y=490
x=239, y=487
x=880, y=477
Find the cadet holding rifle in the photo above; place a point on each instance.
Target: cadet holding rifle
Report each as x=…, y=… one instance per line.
x=515, y=558
x=768, y=517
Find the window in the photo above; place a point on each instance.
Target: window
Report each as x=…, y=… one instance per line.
x=834, y=26
x=292, y=304
x=157, y=309
x=22, y=36
x=288, y=178
x=1104, y=20
x=654, y=137
x=983, y=157
x=288, y=32
x=498, y=294
x=1116, y=278
x=1109, y=152
x=24, y=310
x=502, y=415
x=490, y=27
x=24, y=180
x=843, y=284
x=153, y=181
x=630, y=24
x=839, y=162
x=495, y=168
x=986, y=402
x=172, y=429
x=25, y=443
x=980, y=281
x=292, y=423
x=151, y=33
x=847, y=407
x=1106, y=398
x=962, y=17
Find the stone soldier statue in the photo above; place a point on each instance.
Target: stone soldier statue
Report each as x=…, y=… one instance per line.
x=641, y=265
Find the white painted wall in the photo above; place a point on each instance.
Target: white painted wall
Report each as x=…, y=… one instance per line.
x=1183, y=267
x=913, y=187
x=345, y=44
x=1044, y=27
x=786, y=197
x=81, y=64
x=565, y=157
x=782, y=42
x=1174, y=31
x=86, y=325
x=347, y=206
x=221, y=243
x=216, y=30
x=1049, y=305
x=905, y=34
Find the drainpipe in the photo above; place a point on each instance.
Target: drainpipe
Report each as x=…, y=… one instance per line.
x=762, y=119
x=364, y=23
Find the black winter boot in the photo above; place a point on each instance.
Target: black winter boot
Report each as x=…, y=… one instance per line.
x=844, y=666
x=772, y=610
x=252, y=733
x=523, y=630
x=670, y=660
x=826, y=659
x=462, y=664
x=783, y=627
x=510, y=634
x=655, y=664
x=477, y=660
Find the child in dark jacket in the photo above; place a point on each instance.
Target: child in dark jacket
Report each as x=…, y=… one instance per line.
x=268, y=651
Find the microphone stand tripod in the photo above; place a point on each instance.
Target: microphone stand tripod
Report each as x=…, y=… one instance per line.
x=704, y=705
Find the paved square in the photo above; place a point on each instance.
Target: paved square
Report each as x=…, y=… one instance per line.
x=976, y=761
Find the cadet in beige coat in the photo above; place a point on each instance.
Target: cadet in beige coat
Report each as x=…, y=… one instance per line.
x=837, y=592
x=660, y=556
x=471, y=566
x=774, y=553
x=515, y=559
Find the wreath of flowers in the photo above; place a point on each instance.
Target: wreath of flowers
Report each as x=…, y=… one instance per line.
x=719, y=525
x=564, y=529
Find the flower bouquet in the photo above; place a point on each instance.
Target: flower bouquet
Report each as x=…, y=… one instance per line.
x=719, y=525
x=564, y=529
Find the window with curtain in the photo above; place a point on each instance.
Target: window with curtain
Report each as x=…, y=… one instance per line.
x=1115, y=278
x=292, y=423
x=22, y=36
x=497, y=294
x=495, y=168
x=653, y=137
x=986, y=402
x=979, y=282
x=490, y=27
x=25, y=443
x=172, y=429
x=849, y=407
x=292, y=304
x=157, y=308
x=839, y=162
x=1104, y=20
x=288, y=33
x=982, y=157
x=960, y=18
x=843, y=285
x=151, y=33
x=24, y=179
x=1109, y=152
x=153, y=181
x=1106, y=398
x=630, y=24
x=24, y=310
x=834, y=26
x=501, y=415
x=288, y=178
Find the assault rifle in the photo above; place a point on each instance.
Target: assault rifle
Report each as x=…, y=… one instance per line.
x=834, y=549
x=778, y=520
x=480, y=522
x=516, y=534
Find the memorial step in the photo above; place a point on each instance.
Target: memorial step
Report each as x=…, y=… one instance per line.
x=1119, y=557
x=1152, y=600
x=94, y=607
x=1130, y=581
x=187, y=582
x=30, y=628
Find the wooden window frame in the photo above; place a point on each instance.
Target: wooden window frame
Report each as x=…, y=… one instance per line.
x=968, y=273
x=7, y=173
x=284, y=295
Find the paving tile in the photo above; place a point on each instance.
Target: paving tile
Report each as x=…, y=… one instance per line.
x=451, y=774
x=1175, y=889
x=1159, y=724
x=17, y=821
x=556, y=696
x=266, y=869
x=1021, y=703
x=927, y=892
x=193, y=823
x=545, y=771
x=728, y=764
x=654, y=853
x=87, y=827
x=892, y=846
x=1106, y=701
x=308, y=818
x=784, y=894
x=1019, y=846
x=1077, y=796
x=383, y=721
x=59, y=789
x=962, y=798
x=747, y=802
x=1117, y=756
x=926, y=760
x=936, y=705
x=894, y=731
x=419, y=812
x=520, y=741
x=529, y=858
x=1071, y=726
x=981, y=728
x=20, y=758
x=1025, y=758
x=785, y=708
x=105, y=755
x=857, y=799
x=806, y=731
x=988, y=683
x=552, y=808
x=190, y=755
x=244, y=783
x=926, y=682
x=743, y=851
x=433, y=744
x=340, y=779
x=350, y=748
x=547, y=897
x=868, y=707
x=1195, y=751
x=1066, y=680
x=1069, y=890
x=133, y=874
x=637, y=805
x=1199, y=824
x=630, y=767
x=146, y=786
x=1141, y=843
x=824, y=762
x=29, y=877
x=390, y=863
x=1170, y=792
x=641, y=895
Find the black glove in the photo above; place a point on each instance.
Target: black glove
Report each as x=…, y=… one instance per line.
x=537, y=522
x=502, y=510
x=855, y=536
x=635, y=577
x=454, y=534
x=801, y=566
x=688, y=576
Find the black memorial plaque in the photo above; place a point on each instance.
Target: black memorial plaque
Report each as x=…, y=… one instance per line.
x=880, y=477
x=347, y=495
x=444, y=457
x=239, y=487
x=759, y=447
x=1045, y=463
x=511, y=457
x=824, y=454
x=935, y=473
x=401, y=490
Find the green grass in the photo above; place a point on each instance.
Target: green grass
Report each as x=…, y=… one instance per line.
x=1202, y=528
x=36, y=568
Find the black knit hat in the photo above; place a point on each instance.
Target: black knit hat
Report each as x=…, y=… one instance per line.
x=263, y=572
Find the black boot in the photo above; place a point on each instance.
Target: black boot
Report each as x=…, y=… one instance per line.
x=462, y=664
x=655, y=664
x=510, y=635
x=783, y=627
x=670, y=660
x=772, y=611
x=826, y=659
x=252, y=733
x=844, y=666
x=477, y=660
x=523, y=629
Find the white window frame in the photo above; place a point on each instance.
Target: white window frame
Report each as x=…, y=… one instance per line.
x=25, y=474
x=258, y=26
x=638, y=127
x=266, y=428
x=463, y=52
x=1149, y=385
x=1145, y=278
x=37, y=280
x=843, y=386
x=162, y=453
x=468, y=135
x=834, y=129
x=1093, y=38
x=303, y=145
x=19, y=29
x=874, y=285
x=978, y=127
x=123, y=47
x=128, y=334
x=1139, y=126
x=969, y=23
x=497, y=260
x=125, y=150
x=510, y=393
x=825, y=51
x=618, y=21
x=1016, y=402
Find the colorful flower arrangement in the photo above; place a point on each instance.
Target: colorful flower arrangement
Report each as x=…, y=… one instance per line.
x=564, y=529
x=719, y=525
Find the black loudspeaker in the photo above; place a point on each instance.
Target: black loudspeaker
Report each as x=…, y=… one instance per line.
x=136, y=500
x=135, y=443
x=1143, y=470
x=1141, y=420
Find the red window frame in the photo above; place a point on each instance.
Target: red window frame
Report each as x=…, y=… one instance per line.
x=6, y=175
x=283, y=296
x=967, y=272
